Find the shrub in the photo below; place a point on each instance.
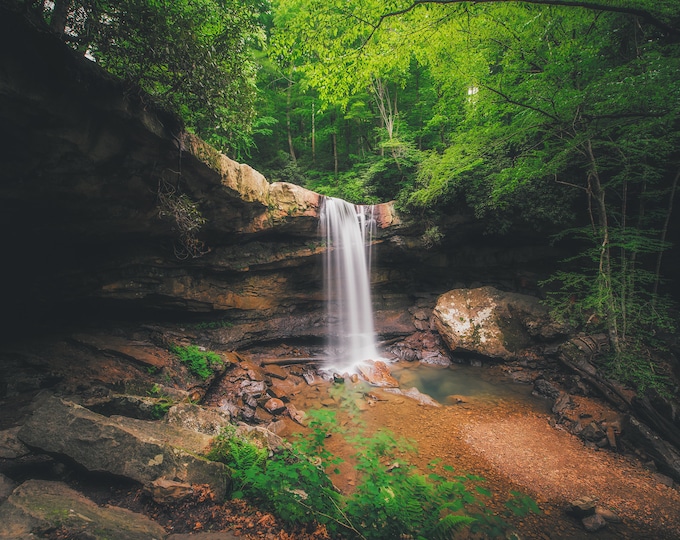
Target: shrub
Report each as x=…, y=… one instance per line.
x=393, y=500
x=198, y=362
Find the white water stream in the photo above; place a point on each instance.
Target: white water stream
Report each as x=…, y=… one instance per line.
x=348, y=230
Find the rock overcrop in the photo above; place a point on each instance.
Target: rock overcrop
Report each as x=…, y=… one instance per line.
x=141, y=450
x=39, y=506
x=492, y=323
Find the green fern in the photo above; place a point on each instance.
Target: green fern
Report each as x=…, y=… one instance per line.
x=198, y=361
x=392, y=500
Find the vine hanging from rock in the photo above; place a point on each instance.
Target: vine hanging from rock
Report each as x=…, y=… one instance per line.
x=177, y=207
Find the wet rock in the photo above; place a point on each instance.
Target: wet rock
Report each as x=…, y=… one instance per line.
x=594, y=523
x=283, y=389
x=37, y=506
x=424, y=346
x=275, y=406
x=519, y=375
x=253, y=388
x=493, y=323
x=254, y=372
x=248, y=414
x=137, y=449
x=435, y=358
x=275, y=371
x=262, y=416
x=377, y=373
x=312, y=378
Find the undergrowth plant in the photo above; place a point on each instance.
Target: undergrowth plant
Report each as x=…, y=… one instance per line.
x=198, y=362
x=392, y=499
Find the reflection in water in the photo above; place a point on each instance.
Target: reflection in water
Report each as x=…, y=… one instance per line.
x=463, y=380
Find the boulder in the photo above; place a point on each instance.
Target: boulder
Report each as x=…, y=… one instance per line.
x=583, y=507
x=203, y=420
x=275, y=406
x=6, y=487
x=493, y=323
x=666, y=456
x=546, y=389
x=141, y=450
x=10, y=446
x=165, y=491
x=608, y=514
x=37, y=506
x=594, y=523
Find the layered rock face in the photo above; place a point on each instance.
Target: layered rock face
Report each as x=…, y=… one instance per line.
x=99, y=187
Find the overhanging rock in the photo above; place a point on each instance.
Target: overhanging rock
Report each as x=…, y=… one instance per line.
x=137, y=449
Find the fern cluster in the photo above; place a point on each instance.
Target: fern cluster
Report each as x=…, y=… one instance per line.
x=393, y=499
x=199, y=362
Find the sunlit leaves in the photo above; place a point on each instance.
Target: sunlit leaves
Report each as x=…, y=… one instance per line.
x=190, y=55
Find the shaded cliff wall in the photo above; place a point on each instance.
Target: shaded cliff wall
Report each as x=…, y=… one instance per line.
x=83, y=158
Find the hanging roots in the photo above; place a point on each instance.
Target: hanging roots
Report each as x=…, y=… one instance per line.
x=180, y=209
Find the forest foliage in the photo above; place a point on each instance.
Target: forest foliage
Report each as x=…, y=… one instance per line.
x=553, y=114
x=392, y=498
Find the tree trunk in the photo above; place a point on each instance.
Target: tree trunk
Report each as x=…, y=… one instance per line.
x=59, y=15
x=605, y=269
x=664, y=232
x=334, y=138
x=289, y=91
x=313, y=134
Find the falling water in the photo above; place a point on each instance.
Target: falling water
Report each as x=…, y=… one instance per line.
x=348, y=230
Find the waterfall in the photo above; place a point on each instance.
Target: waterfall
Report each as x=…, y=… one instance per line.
x=348, y=230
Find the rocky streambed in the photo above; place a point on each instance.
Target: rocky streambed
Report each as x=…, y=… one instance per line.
x=103, y=433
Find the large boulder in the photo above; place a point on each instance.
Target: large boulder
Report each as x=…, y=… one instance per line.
x=493, y=323
x=137, y=449
x=38, y=506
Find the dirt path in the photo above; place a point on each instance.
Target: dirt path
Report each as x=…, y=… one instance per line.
x=515, y=448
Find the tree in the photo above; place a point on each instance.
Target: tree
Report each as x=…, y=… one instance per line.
x=541, y=101
x=193, y=56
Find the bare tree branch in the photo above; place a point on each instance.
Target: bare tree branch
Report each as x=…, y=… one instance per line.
x=520, y=104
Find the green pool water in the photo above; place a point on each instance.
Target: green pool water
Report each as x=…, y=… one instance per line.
x=463, y=380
